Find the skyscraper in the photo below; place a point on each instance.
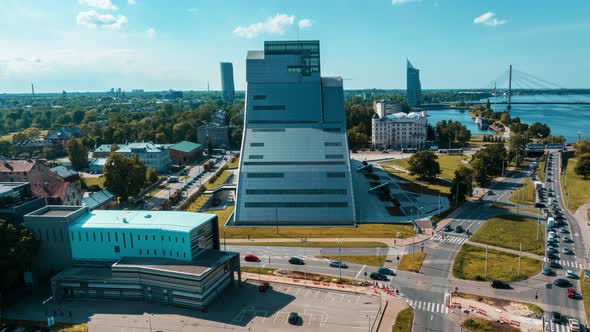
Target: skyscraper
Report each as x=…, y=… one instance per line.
x=295, y=167
x=414, y=88
x=227, y=82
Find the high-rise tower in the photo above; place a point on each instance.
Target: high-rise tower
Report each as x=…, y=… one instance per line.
x=294, y=166
x=414, y=88
x=227, y=82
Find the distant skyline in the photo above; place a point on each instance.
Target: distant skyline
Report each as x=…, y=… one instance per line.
x=96, y=45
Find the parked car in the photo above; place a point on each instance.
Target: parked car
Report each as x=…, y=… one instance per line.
x=570, y=274
x=378, y=276
x=555, y=317
x=459, y=229
x=567, y=251
x=251, y=258
x=338, y=264
x=564, y=230
x=447, y=228
x=573, y=324
x=566, y=239
x=296, y=261
x=500, y=284
x=293, y=318
x=551, y=255
x=547, y=271
x=560, y=282
x=554, y=264
x=386, y=271
x=571, y=293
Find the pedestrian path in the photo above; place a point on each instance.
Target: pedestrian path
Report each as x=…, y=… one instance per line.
x=553, y=327
x=452, y=239
x=305, y=258
x=564, y=263
x=438, y=308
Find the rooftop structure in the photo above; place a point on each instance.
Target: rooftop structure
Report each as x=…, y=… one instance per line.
x=414, y=87
x=295, y=167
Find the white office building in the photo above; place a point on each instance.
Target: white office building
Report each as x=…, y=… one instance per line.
x=386, y=107
x=399, y=130
x=295, y=166
x=152, y=155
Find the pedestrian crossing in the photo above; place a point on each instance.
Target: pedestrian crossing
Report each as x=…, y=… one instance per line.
x=438, y=308
x=553, y=327
x=566, y=264
x=452, y=239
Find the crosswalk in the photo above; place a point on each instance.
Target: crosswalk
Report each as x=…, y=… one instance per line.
x=452, y=239
x=566, y=264
x=439, y=308
x=553, y=327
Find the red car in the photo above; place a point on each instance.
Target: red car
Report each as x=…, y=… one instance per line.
x=571, y=293
x=251, y=258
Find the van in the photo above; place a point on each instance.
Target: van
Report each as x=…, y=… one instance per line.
x=172, y=179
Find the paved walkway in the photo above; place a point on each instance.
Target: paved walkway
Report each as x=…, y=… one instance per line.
x=510, y=251
x=581, y=214
x=390, y=242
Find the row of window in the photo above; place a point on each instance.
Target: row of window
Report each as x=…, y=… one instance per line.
x=255, y=156
x=332, y=130
x=336, y=175
x=291, y=163
x=269, y=108
x=259, y=97
x=268, y=130
x=334, y=156
x=99, y=236
x=296, y=191
x=332, y=143
x=147, y=253
x=295, y=204
x=265, y=175
x=257, y=144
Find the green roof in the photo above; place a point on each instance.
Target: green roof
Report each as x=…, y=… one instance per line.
x=185, y=146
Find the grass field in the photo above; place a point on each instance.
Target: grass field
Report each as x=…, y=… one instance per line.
x=198, y=203
x=585, y=290
x=578, y=187
x=234, y=164
x=218, y=182
x=484, y=325
x=509, y=231
x=525, y=195
x=403, y=321
x=541, y=171
x=8, y=137
x=255, y=269
x=406, y=263
x=315, y=244
x=448, y=164
x=476, y=141
x=469, y=264
x=364, y=260
x=94, y=181
x=513, y=208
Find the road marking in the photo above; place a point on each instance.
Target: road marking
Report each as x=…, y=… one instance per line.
x=360, y=271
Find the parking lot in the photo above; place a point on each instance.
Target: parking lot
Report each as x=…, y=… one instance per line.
x=240, y=308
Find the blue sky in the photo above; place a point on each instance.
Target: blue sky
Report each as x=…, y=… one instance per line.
x=93, y=45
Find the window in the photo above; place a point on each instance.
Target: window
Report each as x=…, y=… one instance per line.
x=124, y=241
x=295, y=204
x=177, y=254
x=80, y=236
x=109, y=236
x=138, y=237
x=184, y=254
x=182, y=240
x=268, y=130
x=101, y=239
x=332, y=143
x=154, y=237
x=296, y=191
x=259, y=97
x=255, y=156
x=148, y=252
x=117, y=249
x=176, y=239
x=269, y=107
x=334, y=156
x=265, y=175
x=71, y=232
x=332, y=130
x=94, y=236
x=257, y=144
x=335, y=174
x=146, y=237
x=86, y=233
x=116, y=237
x=140, y=252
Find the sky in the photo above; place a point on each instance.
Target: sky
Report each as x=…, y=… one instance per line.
x=95, y=45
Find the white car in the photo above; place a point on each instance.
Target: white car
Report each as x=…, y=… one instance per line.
x=573, y=324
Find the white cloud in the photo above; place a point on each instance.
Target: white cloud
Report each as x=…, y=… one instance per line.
x=193, y=10
x=489, y=19
x=276, y=25
x=305, y=23
x=403, y=2
x=101, y=4
x=131, y=2
x=93, y=19
x=151, y=33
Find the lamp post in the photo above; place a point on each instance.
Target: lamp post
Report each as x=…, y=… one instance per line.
x=339, y=260
x=304, y=269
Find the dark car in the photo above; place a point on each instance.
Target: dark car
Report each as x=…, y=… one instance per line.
x=555, y=317
x=500, y=284
x=560, y=282
x=293, y=318
x=554, y=264
x=339, y=264
x=378, y=276
x=296, y=261
x=386, y=271
x=459, y=229
x=447, y=228
x=551, y=255
x=539, y=205
x=547, y=271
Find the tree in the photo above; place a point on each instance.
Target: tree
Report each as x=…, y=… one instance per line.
x=488, y=162
x=424, y=164
x=17, y=250
x=452, y=131
x=77, y=153
x=488, y=106
x=539, y=129
x=124, y=176
x=357, y=139
x=505, y=118
x=462, y=184
x=517, y=147
x=151, y=175
x=582, y=147
x=583, y=165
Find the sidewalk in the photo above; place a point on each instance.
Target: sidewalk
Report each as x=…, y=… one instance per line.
x=390, y=242
x=510, y=251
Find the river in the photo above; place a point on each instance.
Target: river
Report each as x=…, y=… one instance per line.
x=566, y=120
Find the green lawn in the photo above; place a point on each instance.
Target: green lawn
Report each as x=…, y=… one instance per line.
x=513, y=208
x=541, y=171
x=469, y=264
x=255, y=269
x=403, y=321
x=235, y=163
x=476, y=141
x=525, y=195
x=218, y=182
x=585, y=289
x=94, y=181
x=315, y=244
x=198, y=203
x=448, y=164
x=364, y=260
x=509, y=231
x=578, y=187
x=484, y=325
x=408, y=264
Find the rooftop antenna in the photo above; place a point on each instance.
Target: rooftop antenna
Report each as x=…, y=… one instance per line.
x=33, y=89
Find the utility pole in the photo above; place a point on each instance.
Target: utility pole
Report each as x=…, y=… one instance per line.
x=519, y=258
x=340, y=260
x=538, y=222
x=485, y=273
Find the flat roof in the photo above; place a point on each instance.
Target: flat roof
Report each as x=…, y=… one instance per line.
x=6, y=187
x=137, y=219
x=56, y=210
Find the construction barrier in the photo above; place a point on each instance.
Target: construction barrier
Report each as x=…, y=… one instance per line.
x=482, y=312
x=514, y=323
x=316, y=283
x=456, y=305
x=504, y=320
x=326, y=284
x=472, y=308
x=295, y=280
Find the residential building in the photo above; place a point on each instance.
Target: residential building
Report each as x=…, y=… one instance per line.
x=385, y=107
x=39, y=147
x=103, y=150
x=26, y=170
x=16, y=200
x=413, y=86
x=216, y=136
x=185, y=152
x=58, y=193
x=63, y=134
x=294, y=165
x=165, y=256
x=102, y=199
x=152, y=155
x=227, y=82
x=96, y=165
x=399, y=130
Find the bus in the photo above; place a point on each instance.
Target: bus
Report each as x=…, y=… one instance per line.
x=450, y=151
